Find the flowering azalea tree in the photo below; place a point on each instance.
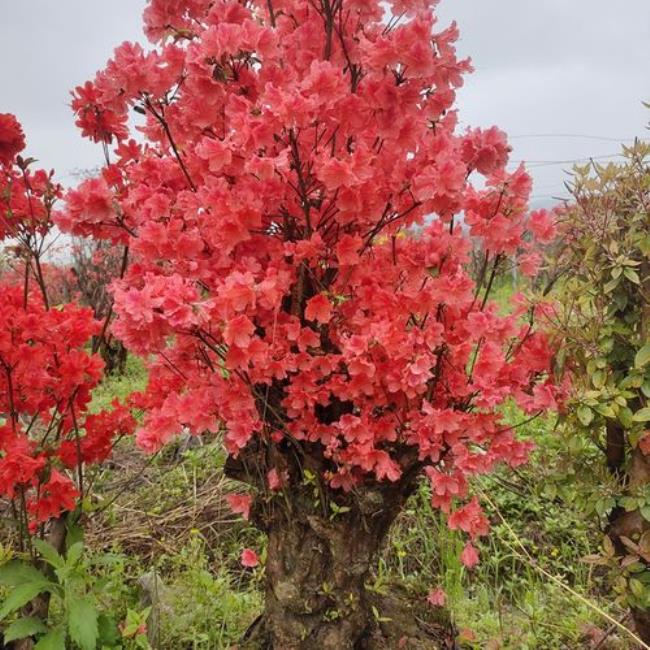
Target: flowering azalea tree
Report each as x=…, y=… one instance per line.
x=282, y=288
x=47, y=438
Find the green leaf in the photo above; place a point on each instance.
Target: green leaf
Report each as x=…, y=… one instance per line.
x=15, y=573
x=611, y=285
x=21, y=595
x=632, y=275
x=585, y=415
x=598, y=378
x=642, y=415
x=637, y=588
x=74, y=554
x=629, y=503
x=608, y=547
x=82, y=623
x=108, y=632
x=54, y=640
x=75, y=534
x=645, y=512
x=625, y=416
x=605, y=410
x=49, y=553
x=642, y=357
x=142, y=642
x=550, y=491
x=24, y=628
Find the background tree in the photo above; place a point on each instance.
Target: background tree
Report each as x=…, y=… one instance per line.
x=279, y=288
x=604, y=320
x=95, y=264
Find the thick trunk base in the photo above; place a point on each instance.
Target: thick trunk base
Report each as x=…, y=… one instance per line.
x=405, y=624
x=322, y=546
x=319, y=591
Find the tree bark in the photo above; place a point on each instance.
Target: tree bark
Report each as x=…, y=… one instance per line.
x=317, y=570
x=615, y=448
x=315, y=584
x=114, y=355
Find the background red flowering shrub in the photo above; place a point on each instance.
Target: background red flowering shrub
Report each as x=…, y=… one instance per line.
x=47, y=373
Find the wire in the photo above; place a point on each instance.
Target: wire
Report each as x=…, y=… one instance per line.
x=569, y=135
x=544, y=163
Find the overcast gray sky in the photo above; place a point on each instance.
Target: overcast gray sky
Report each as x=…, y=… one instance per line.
x=547, y=68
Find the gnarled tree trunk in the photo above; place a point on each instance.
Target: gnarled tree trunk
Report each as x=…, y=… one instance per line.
x=315, y=577
x=318, y=565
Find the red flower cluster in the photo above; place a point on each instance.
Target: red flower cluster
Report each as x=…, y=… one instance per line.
x=299, y=219
x=46, y=379
x=26, y=199
x=46, y=374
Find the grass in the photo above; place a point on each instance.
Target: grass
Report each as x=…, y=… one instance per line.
x=120, y=386
x=171, y=528
x=211, y=604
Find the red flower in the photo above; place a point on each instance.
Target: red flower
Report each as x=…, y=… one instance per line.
x=276, y=480
x=12, y=138
x=469, y=556
x=19, y=467
x=240, y=504
x=238, y=331
x=470, y=519
x=542, y=225
x=437, y=597
x=319, y=309
x=58, y=495
x=249, y=558
x=347, y=250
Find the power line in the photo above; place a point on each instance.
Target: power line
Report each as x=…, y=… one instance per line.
x=572, y=161
x=569, y=135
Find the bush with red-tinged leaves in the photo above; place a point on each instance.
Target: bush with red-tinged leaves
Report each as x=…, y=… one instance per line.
x=278, y=280
x=46, y=373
